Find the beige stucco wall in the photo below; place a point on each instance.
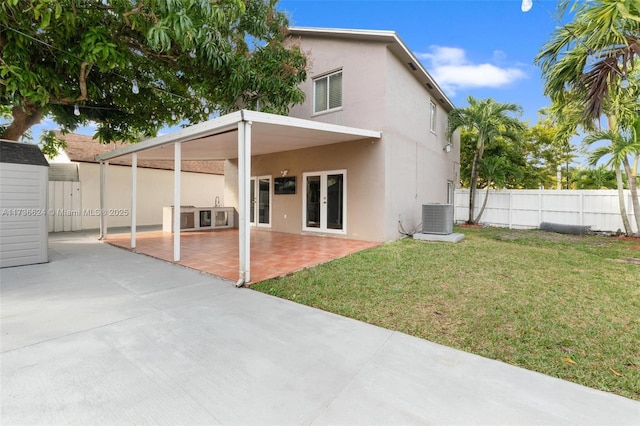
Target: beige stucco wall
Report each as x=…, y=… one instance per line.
x=365, y=201
x=417, y=167
x=155, y=190
x=363, y=76
x=387, y=180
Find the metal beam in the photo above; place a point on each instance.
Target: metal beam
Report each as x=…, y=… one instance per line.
x=177, y=160
x=134, y=198
x=104, y=165
x=244, y=202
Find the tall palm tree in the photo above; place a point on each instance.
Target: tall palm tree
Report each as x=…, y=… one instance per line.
x=622, y=146
x=606, y=32
x=490, y=119
x=494, y=172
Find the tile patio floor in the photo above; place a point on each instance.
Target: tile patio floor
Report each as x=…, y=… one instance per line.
x=273, y=254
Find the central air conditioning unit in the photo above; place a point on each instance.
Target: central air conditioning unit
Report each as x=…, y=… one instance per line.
x=437, y=219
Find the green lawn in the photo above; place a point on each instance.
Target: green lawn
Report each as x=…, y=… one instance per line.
x=566, y=306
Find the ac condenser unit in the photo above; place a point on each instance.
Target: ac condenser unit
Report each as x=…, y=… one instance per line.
x=437, y=219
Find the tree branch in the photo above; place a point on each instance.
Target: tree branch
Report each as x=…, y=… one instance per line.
x=85, y=69
x=135, y=11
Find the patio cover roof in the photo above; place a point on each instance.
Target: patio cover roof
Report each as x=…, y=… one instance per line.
x=217, y=139
x=241, y=135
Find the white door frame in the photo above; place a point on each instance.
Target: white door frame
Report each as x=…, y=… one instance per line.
x=256, y=201
x=323, y=196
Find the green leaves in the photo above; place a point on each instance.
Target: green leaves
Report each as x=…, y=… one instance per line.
x=184, y=55
x=607, y=31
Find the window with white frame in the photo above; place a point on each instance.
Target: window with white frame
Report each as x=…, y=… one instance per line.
x=432, y=116
x=327, y=92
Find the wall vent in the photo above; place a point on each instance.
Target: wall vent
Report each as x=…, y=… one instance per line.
x=437, y=219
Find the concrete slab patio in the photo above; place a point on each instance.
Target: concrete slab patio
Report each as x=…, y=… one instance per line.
x=101, y=335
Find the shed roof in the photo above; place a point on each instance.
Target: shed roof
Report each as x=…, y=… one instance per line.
x=21, y=153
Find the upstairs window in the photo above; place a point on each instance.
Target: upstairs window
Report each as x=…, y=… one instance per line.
x=327, y=92
x=432, y=116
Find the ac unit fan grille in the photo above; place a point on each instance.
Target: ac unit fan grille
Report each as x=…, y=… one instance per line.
x=437, y=219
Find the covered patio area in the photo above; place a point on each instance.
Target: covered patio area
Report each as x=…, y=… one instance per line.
x=238, y=136
x=273, y=254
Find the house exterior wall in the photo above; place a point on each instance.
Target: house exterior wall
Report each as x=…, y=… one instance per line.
x=361, y=159
x=155, y=191
x=363, y=77
x=23, y=220
x=417, y=167
x=387, y=181
x=380, y=93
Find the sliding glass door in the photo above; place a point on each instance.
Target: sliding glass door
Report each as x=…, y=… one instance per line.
x=325, y=201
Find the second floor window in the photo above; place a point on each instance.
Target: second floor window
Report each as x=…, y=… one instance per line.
x=327, y=92
x=432, y=116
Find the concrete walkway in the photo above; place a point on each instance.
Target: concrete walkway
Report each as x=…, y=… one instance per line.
x=101, y=335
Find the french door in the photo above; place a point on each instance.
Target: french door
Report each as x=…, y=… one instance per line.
x=260, y=196
x=324, y=207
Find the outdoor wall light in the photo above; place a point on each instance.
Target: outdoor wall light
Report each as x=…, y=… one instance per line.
x=624, y=82
x=284, y=172
x=447, y=148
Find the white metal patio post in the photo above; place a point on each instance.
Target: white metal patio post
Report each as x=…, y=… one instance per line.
x=104, y=165
x=176, y=200
x=244, y=173
x=134, y=197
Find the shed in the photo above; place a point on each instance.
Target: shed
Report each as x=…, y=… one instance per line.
x=24, y=175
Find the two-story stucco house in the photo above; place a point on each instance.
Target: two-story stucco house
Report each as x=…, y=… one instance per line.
x=358, y=158
x=360, y=189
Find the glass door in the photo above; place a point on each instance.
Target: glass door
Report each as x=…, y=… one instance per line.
x=260, y=201
x=325, y=201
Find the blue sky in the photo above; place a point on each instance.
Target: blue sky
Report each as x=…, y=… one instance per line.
x=483, y=48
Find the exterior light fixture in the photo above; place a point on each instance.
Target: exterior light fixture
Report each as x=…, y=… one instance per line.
x=447, y=147
x=526, y=5
x=284, y=172
x=624, y=82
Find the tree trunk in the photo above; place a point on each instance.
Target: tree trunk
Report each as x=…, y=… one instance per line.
x=633, y=187
x=23, y=119
x=484, y=203
x=623, y=210
x=477, y=156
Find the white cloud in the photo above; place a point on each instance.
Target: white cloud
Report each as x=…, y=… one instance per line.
x=453, y=71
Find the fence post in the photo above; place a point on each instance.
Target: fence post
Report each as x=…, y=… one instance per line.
x=581, y=208
x=510, y=205
x=539, y=207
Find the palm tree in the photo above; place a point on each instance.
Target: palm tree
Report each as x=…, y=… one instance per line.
x=490, y=119
x=596, y=178
x=494, y=172
x=622, y=146
x=606, y=32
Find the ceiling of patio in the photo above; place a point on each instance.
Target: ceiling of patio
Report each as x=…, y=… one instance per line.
x=269, y=134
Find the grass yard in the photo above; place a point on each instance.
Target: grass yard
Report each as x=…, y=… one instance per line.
x=566, y=306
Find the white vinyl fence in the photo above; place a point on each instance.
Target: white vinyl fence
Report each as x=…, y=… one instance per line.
x=527, y=208
x=64, y=206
